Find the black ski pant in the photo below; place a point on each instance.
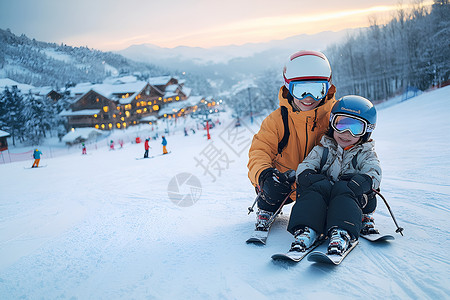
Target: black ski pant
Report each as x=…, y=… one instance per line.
x=323, y=206
x=146, y=154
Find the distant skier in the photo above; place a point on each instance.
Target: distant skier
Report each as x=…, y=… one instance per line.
x=146, y=147
x=83, y=146
x=185, y=132
x=335, y=180
x=111, y=145
x=37, y=158
x=164, y=143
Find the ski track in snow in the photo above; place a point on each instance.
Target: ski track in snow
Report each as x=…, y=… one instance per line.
x=103, y=227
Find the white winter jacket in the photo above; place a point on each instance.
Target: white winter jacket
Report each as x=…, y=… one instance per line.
x=339, y=161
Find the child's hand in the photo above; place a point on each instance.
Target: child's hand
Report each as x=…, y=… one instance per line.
x=361, y=186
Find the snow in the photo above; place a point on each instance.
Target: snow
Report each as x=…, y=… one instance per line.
x=6, y=82
x=81, y=133
x=102, y=226
x=3, y=133
x=57, y=55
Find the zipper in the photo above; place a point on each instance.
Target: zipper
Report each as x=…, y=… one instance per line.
x=306, y=135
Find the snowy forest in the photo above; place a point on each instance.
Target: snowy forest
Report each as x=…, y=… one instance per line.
x=412, y=50
x=378, y=62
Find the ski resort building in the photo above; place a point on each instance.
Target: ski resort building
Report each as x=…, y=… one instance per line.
x=126, y=101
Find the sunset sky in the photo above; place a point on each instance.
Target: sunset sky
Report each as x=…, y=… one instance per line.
x=117, y=24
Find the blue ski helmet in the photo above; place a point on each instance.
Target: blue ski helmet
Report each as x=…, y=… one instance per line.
x=359, y=108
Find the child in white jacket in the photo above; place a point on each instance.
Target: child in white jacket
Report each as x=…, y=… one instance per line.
x=335, y=182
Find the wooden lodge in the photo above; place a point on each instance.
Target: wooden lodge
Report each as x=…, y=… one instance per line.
x=3, y=142
x=121, y=104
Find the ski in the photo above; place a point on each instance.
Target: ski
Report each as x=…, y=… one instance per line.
x=35, y=167
x=139, y=158
x=259, y=237
x=377, y=237
x=335, y=259
x=294, y=256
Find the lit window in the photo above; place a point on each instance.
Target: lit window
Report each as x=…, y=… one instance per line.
x=124, y=124
x=123, y=119
x=114, y=115
x=177, y=98
x=118, y=125
x=165, y=115
x=103, y=126
x=110, y=125
x=127, y=113
x=96, y=126
x=105, y=108
x=138, y=104
x=155, y=107
x=95, y=116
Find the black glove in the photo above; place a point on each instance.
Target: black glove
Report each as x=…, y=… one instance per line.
x=361, y=186
x=275, y=186
x=308, y=177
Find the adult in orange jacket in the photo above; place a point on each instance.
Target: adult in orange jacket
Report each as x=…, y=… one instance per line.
x=306, y=98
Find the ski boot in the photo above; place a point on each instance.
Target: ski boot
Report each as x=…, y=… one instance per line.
x=339, y=241
x=304, y=239
x=368, y=225
x=263, y=219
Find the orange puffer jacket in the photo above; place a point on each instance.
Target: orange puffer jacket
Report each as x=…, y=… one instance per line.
x=306, y=129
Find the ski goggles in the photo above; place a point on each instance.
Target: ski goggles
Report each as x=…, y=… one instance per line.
x=314, y=89
x=356, y=126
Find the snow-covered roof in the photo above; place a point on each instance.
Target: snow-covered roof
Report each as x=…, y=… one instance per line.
x=187, y=91
x=174, y=107
x=81, y=133
x=81, y=88
x=42, y=91
x=160, y=80
x=3, y=133
x=6, y=82
x=110, y=90
x=83, y=112
x=170, y=94
x=120, y=80
x=171, y=88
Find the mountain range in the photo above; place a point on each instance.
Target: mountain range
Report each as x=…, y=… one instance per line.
x=232, y=61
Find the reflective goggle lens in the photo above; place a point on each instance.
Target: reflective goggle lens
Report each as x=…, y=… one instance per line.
x=343, y=123
x=315, y=89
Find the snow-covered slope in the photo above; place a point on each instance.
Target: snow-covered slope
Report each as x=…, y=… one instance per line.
x=102, y=226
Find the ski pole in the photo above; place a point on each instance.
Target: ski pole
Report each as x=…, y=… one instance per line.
x=399, y=229
x=280, y=208
x=250, y=209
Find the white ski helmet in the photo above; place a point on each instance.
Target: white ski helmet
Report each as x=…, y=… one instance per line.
x=306, y=65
